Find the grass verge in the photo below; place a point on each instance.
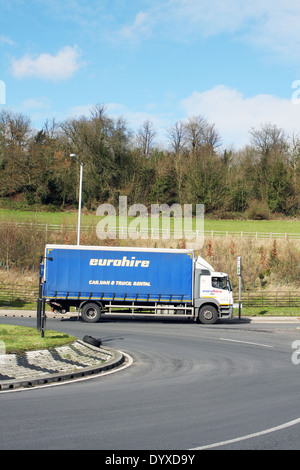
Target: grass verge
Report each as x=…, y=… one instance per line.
x=19, y=339
x=20, y=305
x=269, y=311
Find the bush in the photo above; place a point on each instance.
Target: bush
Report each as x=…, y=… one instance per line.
x=258, y=210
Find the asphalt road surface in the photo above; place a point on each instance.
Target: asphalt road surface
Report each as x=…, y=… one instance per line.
x=231, y=385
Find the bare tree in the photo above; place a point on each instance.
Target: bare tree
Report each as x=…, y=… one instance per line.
x=176, y=137
x=268, y=137
x=212, y=137
x=16, y=128
x=295, y=158
x=145, y=138
x=199, y=133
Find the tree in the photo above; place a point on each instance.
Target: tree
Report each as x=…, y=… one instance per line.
x=103, y=146
x=272, y=169
x=199, y=133
x=15, y=133
x=145, y=138
x=268, y=138
x=176, y=137
x=295, y=167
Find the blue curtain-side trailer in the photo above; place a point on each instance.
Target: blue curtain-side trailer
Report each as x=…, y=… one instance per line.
x=133, y=281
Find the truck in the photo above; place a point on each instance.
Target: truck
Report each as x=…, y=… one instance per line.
x=100, y=280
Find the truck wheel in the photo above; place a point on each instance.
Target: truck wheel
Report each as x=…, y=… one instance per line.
x=208, y=315
x=91, y=312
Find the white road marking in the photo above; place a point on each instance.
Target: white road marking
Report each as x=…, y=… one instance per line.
x=246, y=342
x=250, y=436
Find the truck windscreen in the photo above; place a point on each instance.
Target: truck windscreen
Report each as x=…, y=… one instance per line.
x=221, y=283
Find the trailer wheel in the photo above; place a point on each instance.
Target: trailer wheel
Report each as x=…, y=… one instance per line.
x=91, y=312
x=208, y=315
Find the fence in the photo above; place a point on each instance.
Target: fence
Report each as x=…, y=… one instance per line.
x=270, y=299
x=14, y=292
x=165, y=232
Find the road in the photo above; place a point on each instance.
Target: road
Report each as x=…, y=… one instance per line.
x=225, y=386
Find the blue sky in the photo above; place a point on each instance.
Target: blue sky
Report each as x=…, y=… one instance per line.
x=231, y=61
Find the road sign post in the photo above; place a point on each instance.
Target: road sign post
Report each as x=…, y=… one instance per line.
x=239, y=273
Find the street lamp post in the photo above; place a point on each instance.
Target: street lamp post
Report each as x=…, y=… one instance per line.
x=73, y=155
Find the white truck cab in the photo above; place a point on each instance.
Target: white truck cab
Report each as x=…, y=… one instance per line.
x=213, y=292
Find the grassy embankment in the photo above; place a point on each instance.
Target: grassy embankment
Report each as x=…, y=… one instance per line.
x=18, y=339
x=266, y=226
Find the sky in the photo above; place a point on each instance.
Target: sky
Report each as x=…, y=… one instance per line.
x=235, y=63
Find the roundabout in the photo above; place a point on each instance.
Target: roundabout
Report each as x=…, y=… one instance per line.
x=231, y=385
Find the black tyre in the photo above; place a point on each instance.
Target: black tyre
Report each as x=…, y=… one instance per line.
x=208, y=315
x=91, y=312
x=92, y=341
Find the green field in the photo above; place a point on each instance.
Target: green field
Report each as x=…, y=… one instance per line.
x=43, y=217
x=274, y=226
x=65, y=218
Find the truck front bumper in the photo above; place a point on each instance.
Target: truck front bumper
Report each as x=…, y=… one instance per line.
x=226, y=311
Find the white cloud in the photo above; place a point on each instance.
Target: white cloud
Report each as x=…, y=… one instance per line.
x=36, y=103
x=6, y=40
x=271, y=25
x=276, y=28
x=234, y=115
x=57, y=67
x=141, y=27
x=212, y=17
